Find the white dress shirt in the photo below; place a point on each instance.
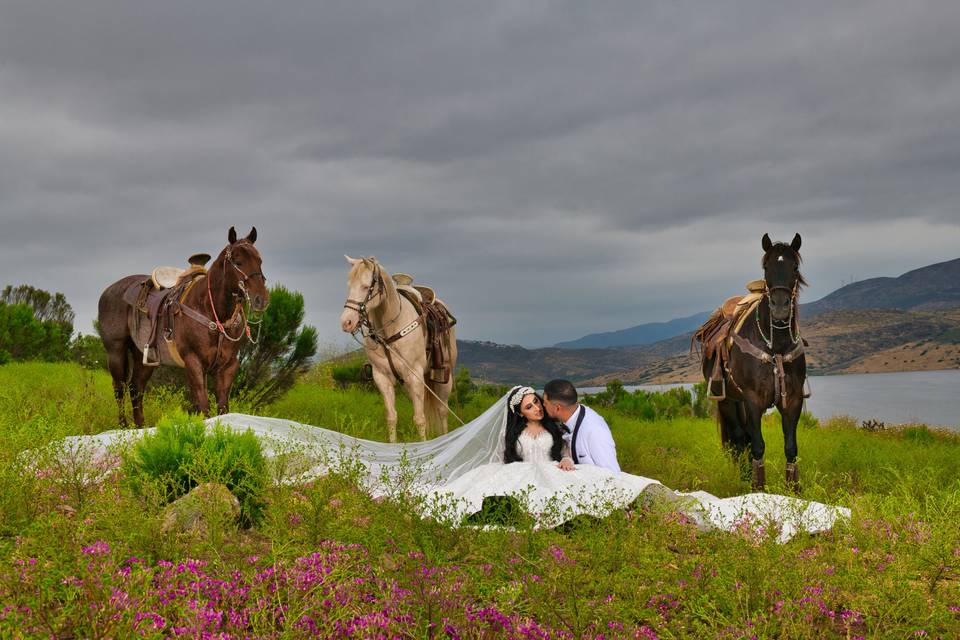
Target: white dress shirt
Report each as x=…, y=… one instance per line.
x=594, y=441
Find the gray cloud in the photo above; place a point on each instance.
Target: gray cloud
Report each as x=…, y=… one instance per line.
x=554, y=168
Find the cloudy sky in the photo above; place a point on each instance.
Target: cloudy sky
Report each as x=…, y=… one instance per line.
x=552, y=168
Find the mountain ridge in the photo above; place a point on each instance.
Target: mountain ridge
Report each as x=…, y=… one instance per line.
x=933, y=286
x=845, y=337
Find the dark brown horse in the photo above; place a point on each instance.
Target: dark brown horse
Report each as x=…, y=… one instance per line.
x=206, y=330
x=763, y=364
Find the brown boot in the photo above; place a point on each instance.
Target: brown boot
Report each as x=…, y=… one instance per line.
x=759, y=475
x=793, y=477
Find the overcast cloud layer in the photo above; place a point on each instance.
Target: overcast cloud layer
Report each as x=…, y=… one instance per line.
x=552, y=168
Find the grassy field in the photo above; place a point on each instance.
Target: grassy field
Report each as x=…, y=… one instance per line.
x=90, y=560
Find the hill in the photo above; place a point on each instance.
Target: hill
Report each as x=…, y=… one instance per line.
x=907, y=323
x=935, y=286
x=855, y=341
x=639, y=335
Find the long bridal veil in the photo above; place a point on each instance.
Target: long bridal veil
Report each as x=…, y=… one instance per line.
x=316, y=449
x=432, y=468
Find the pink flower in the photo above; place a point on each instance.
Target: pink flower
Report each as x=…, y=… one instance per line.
x=98, y=548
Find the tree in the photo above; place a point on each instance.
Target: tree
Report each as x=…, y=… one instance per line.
x=46, y=307
x=282, y=352
x=34, y=324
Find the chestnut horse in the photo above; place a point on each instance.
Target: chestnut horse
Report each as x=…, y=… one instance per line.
x=390, y=320
x=765, y=366
x=207, y=332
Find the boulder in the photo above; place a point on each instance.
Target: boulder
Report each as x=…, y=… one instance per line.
x=193, y=513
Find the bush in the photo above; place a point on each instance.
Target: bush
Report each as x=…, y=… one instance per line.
x=644, y=405
x=350, y=373
x=283, y=350
x=181, y=454
x=34, y=324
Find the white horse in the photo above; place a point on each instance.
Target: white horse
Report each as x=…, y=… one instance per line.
x=396, y=345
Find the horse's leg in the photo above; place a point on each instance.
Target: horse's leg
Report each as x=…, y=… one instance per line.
x=197, y=382
x=384, y=382
x=138, y=385
x=118, y=365
x=222, y=383
x=790, y=417
x=441, y=405
x=754, y=414
x=417, y=390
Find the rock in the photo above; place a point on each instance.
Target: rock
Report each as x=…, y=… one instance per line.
x=193, y=513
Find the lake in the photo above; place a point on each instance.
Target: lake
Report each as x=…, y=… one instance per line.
x=930, y=397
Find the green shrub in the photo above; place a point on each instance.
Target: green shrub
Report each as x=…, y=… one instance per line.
x=181, y=454
x=350, y=373
x=644, y=405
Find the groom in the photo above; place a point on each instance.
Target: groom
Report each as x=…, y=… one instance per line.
x=590, y=439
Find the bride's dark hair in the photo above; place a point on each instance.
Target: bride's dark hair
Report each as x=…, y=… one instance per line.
x=516, y=423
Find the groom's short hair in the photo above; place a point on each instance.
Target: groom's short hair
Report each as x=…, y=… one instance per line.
x=561, y=391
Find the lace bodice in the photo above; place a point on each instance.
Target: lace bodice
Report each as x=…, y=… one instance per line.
x=535, y=449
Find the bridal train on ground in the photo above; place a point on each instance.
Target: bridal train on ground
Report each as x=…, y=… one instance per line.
x=452, y=474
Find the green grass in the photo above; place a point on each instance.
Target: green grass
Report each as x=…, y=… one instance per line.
x=893, y=571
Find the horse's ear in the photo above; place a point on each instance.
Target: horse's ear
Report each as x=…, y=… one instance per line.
x=252, y=236
x=795, y=245
x=351, y=261
x=766, y=243
x=232, y=236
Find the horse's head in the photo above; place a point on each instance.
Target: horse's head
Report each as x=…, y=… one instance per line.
x=365, y=289
x=242, y=271
x=781, y=273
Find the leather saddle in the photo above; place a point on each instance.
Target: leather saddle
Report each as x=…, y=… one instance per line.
x=716, y=334
x=154, y=304
x=438, y=321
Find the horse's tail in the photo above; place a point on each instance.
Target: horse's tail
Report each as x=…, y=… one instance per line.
x=733, y=437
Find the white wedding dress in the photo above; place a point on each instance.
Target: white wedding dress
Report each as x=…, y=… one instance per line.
x=548, y=493
x=453, y=473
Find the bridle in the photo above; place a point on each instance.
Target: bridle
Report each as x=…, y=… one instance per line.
x=377, y=288
x=241, y=285
x=788, y=325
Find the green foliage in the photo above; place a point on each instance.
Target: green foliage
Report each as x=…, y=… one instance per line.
x=180, y=454
x=463, y=386
x=703, y=406
x=45, y=307
x=68, y=564
x=34, y=325
x=282, y=352
x=88, y=351
x=351, y=371
x=645, y=405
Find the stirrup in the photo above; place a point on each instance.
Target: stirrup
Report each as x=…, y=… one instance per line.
x=809, y=390
x=146, y=357
x=723, y=389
